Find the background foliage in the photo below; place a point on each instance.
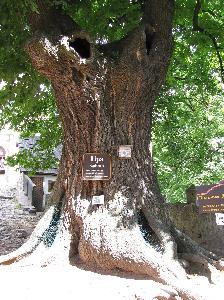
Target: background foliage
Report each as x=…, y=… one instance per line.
x=188, y=128
x=188, y=132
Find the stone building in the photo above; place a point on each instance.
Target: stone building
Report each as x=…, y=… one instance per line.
x=38, y=186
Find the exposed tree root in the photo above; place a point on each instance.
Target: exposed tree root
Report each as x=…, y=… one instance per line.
x=32, y=243
x=190, y=250
x=107, y=243
x=42, y=233
x=181, y=248
x=163, y=233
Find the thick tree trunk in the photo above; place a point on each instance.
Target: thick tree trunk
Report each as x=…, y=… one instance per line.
x=105, y=96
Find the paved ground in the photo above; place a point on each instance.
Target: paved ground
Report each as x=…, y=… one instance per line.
x=16, y=225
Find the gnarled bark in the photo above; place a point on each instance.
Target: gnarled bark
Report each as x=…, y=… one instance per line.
x=105, y=96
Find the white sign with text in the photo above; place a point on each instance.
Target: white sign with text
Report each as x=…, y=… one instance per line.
x=124, y=151
x=219, y=219
x=98, y=200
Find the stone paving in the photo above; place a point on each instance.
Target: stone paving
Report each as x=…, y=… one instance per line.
x=16, y=225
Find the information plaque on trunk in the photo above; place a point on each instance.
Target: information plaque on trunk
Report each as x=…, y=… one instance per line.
x=124, y=151
x=96, y=166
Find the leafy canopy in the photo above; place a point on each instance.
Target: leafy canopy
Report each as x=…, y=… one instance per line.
x=187, y=132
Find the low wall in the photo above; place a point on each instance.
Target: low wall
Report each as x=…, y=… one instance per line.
x=201, y=228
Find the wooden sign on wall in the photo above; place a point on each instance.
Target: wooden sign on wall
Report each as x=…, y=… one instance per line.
x=96, y=166
x=210, y=198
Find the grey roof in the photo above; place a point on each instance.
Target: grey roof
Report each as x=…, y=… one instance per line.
x=53, y=171
x=27, y=143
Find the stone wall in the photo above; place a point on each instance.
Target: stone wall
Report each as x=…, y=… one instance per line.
x=201, y=228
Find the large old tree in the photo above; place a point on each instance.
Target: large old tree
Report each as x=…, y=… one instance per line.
x=105, y=94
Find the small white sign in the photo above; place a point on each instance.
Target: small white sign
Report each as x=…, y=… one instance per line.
x=98, y=200
x=124, y=151
x=219, y=219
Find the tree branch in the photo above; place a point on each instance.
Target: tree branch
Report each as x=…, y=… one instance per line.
x=215, y=44
x=51, y=20
x=197, y=9
x=198, y=28
x=179, y=78
x=57, y=40
x=156, y=24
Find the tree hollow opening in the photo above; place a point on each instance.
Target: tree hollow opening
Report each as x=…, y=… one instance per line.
x=149, y=38
x=82, y=47
x=148, y=234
